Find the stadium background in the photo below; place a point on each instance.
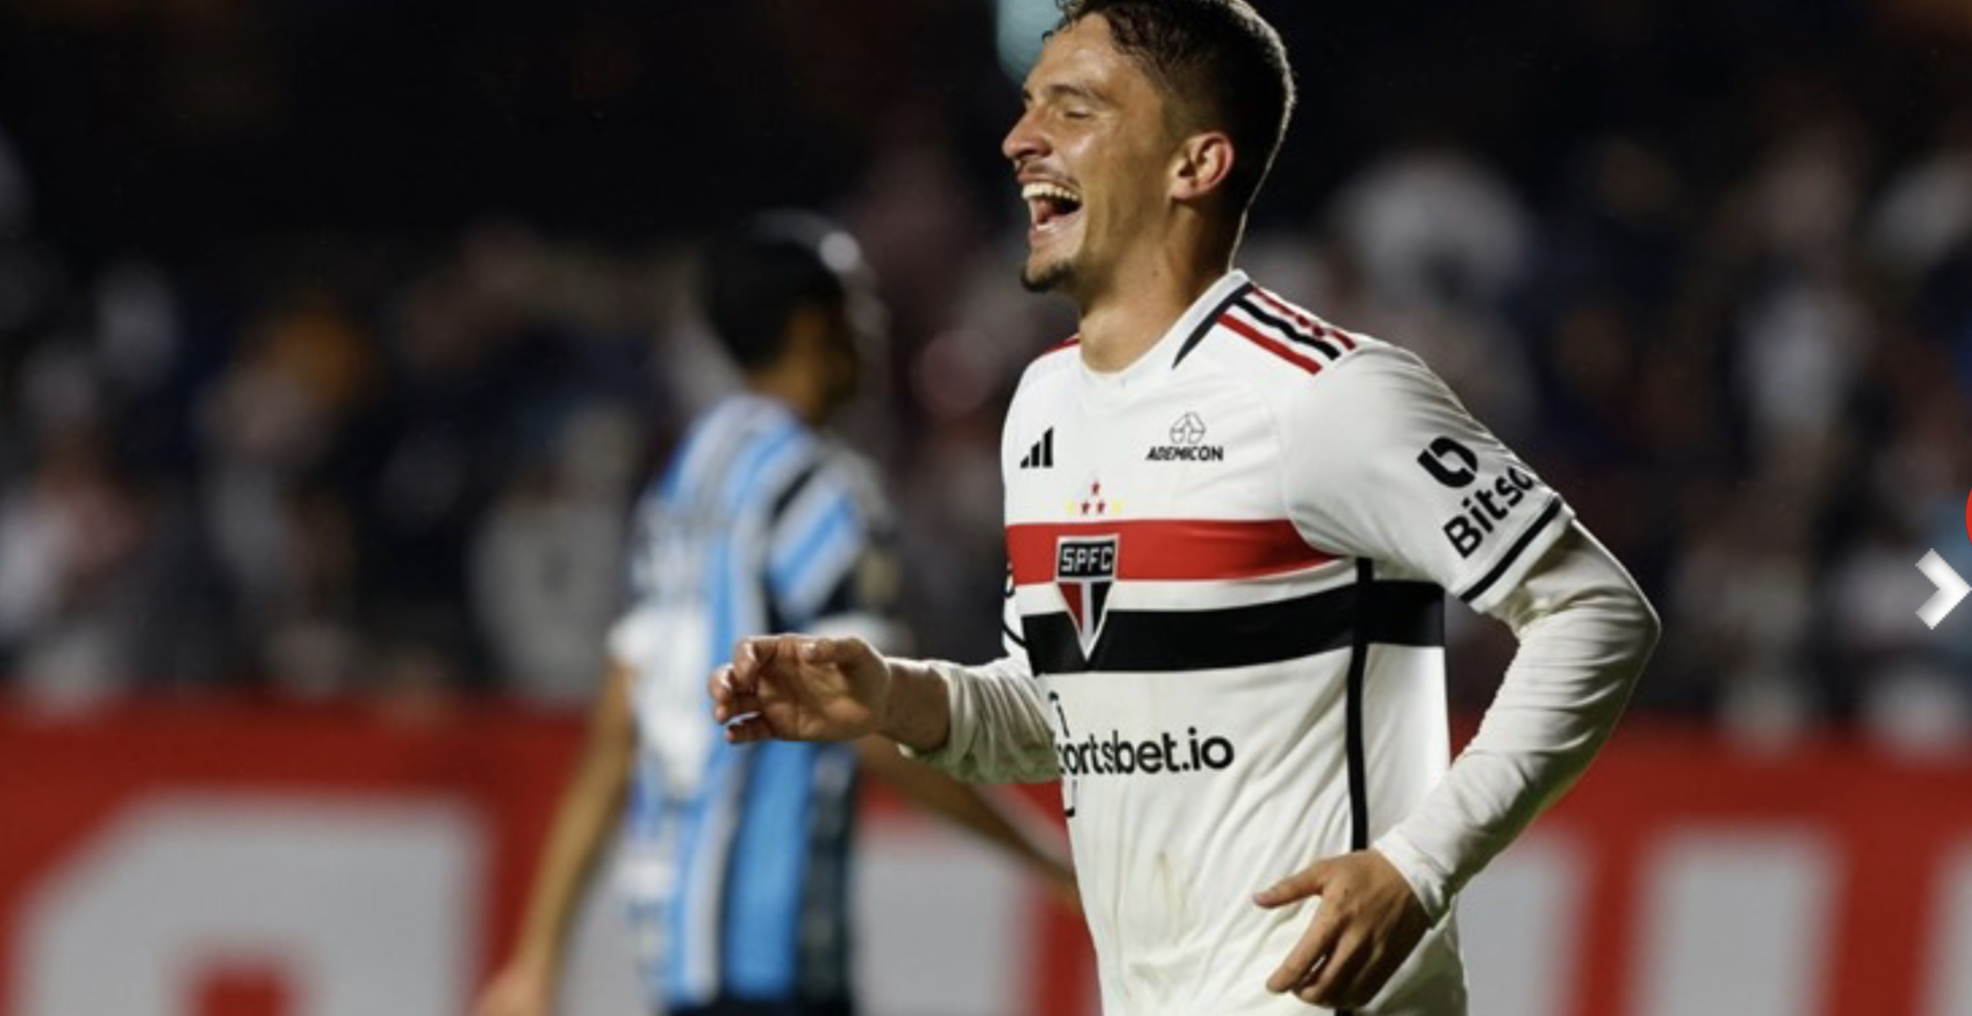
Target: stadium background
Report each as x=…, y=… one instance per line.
x=336, y=334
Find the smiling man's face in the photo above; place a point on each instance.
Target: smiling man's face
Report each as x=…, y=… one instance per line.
x=1092, y=153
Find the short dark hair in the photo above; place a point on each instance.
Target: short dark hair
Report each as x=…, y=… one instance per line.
x=754, y=278
x=1219, y=61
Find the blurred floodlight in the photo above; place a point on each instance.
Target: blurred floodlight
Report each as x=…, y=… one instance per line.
x=1019, y=26
x=840, y=252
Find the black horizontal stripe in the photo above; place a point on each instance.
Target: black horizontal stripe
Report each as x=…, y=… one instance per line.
x=1513, y=553
x=1294, y=334
x=1393, y=613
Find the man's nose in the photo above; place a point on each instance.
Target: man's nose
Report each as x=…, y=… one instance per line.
x=1024, y=141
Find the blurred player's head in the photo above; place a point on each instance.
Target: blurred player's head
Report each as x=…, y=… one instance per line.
x=1139, y=114
x=791, y=299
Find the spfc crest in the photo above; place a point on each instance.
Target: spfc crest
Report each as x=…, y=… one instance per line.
x=1084, y=571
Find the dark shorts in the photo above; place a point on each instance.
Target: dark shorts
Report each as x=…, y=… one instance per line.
x=735, y=1007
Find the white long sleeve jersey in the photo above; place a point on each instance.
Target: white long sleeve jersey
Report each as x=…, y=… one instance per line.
x=1225, y=626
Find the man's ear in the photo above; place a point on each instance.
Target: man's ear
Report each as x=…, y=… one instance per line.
x=1204, y=162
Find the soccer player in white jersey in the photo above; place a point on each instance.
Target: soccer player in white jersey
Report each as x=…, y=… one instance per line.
x=1230, y=526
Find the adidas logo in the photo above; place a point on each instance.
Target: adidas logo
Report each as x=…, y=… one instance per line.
x=1041, y=456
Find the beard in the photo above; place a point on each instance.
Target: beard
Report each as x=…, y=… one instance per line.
x=1046, y=278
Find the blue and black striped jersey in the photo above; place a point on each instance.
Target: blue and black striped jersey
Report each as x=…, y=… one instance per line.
x=759, y=524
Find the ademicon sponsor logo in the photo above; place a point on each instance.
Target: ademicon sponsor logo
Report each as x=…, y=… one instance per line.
x=1187, y=444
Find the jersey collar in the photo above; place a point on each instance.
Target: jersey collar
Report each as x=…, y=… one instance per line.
x=1161, y=357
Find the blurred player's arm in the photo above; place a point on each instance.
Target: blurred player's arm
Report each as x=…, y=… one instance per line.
x=994, y=819
x=590, y=809
x=975, y=723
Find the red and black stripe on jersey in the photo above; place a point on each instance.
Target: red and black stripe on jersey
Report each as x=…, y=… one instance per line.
x=1265, y=320
x=1168, y=550
x=1194, y=550
x=1296, y=319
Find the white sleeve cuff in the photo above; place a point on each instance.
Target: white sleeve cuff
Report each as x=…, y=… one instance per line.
x=958, y=737
x=998, y=730
x=1431, y=886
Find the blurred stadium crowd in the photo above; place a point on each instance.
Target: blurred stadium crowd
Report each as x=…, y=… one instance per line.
x=337, y=335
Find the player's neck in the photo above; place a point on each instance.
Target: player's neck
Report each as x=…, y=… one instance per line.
x=793, y=386
x=1122, y=321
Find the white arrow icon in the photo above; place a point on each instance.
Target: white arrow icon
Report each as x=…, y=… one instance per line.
x=1951, y=589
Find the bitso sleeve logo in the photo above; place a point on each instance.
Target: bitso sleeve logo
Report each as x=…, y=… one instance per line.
x=1449, y=462
x=1485, y=505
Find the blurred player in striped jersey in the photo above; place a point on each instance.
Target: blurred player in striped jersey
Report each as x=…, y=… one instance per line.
x=1231, y=526
x=734, y=858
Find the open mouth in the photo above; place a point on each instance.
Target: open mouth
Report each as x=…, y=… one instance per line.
x=1051, y=207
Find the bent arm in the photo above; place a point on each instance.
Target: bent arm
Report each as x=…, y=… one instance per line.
x=1585, y=631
